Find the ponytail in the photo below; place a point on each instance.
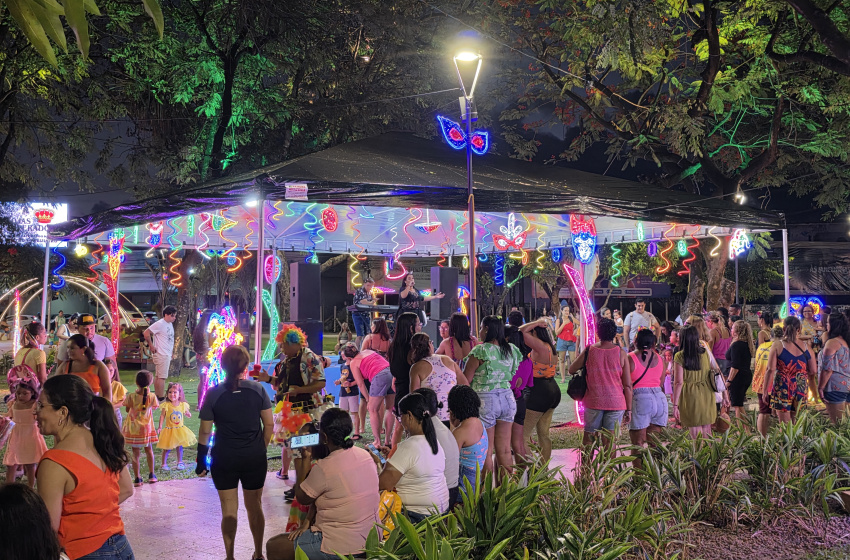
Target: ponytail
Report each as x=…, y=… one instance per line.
x=108, y=440
x=86, y=345
x=789, y=331
x=417, y=406
x=143, y=381
x=234, y=361
x=30, y=333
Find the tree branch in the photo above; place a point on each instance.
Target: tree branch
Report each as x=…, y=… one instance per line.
x=711, y=69
x=829, y=33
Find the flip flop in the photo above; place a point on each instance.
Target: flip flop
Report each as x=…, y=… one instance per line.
x=356, y=437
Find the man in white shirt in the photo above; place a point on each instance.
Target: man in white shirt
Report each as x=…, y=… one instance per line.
x=160, y=339
x=87, y=326
x=637, y=320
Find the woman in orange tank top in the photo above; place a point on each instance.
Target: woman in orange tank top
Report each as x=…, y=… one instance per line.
x=84, y=477
x=83, y=364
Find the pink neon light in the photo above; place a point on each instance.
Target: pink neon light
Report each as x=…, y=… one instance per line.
x=389, y=276
x=589, y=321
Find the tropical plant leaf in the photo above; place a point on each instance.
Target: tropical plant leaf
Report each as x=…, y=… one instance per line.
x=155, y=12
x=91, y=7
x=75, y=15
x=26, y=19
x=52, y=25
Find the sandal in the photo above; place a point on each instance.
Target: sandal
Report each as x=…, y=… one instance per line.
x=356, y=437
x=181, y=466
x=151, y=478
x=138, y=482
x=282, y=475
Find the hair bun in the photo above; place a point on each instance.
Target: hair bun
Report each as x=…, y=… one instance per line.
x=440, y=404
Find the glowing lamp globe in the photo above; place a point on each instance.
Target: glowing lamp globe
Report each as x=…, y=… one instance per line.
x=44, y=215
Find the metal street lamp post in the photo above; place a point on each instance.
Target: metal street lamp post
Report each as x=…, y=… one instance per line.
x=468, y=114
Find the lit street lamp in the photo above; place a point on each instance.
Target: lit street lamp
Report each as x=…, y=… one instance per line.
x=468, y=62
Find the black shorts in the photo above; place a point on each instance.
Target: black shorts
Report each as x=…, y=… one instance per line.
x=519, y=417
x=544, y=395
x=228, y=470
x=738, y=387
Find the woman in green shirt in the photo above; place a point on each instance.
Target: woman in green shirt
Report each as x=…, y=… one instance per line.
x=489, y=369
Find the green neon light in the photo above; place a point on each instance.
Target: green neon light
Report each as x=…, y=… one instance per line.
x=271, y=347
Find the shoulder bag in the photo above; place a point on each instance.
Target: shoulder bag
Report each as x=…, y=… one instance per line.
x=577, y=387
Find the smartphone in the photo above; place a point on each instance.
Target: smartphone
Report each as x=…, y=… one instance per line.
x=374, y=451
x=307, y=440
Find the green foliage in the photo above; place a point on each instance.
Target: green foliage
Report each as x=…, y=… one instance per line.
x=635, y=261
x=708, y=94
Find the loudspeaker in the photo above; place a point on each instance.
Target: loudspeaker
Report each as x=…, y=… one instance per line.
x=432, y=329
x=305, y=289
x=315, y=334
x=444, y=279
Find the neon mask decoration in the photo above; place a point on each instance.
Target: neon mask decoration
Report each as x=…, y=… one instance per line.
x=640, y=231
x=682, y=247
x=272, y=268
x=456, y=137
x=330, y=219
x=652, y=249
x=557, y=255
x=583, y=234
x=799, y=302
x=512, y=235
x=739, y=244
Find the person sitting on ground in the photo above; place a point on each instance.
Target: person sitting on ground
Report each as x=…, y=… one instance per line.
x=469, y=432
x=446, y=440
x=84, y=477
x=342, y=489
x=608, y=400
x=417, y=469
x=438, y=373
x=25, y=529
x=344, y=337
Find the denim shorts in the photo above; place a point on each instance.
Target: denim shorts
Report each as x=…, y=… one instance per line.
x=594, y=419
x=497, y=406
x=381, y=385
x=565, y=345
x=649, y=406
x=311, y=543
x=116, y=547
x=836, y=397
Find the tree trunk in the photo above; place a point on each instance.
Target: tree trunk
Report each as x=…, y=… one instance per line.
x=693, y=303
x=332, y=262
x=185, y=297
x=716, y=268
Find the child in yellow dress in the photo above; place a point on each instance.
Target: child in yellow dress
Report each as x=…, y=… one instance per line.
x=119, y=391
x=175, y=434
x=138, y=429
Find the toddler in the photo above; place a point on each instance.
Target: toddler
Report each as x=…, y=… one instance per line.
x=138, y=428
x=175, y=435
x=119, y=391
x=26, y=444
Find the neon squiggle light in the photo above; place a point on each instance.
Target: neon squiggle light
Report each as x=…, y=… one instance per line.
x=233, y=261
x=206, y=223
x=274, y=320
x=355, y=274
x=60, y=280
x=415, y=214
x=443, y=248
x=94, y=253
x=667, y=265
x=175, y=277
x=685, y=268
x=615, y=256
x=589, y=320
x=114, y=258
x=499, y=270
x=462, y=294
x=715, y=251
x=387, y=269
x=540, y=254
x=313, y=227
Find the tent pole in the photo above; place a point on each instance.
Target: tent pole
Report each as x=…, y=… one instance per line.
x=258, y=302
x=786, y=274
x=473, y=299
x=46, y=286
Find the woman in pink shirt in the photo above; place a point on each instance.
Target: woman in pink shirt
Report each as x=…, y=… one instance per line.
x=342, y=490
x=372, y=373
x=608, y=400
x=649, y=403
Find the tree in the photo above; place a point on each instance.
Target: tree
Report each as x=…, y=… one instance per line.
x=700, y=95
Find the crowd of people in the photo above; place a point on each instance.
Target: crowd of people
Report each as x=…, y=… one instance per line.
x=441, y=413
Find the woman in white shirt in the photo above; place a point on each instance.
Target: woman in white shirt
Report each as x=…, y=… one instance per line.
x=417, y=469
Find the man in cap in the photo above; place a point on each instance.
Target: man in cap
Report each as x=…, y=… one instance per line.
x=87, y=326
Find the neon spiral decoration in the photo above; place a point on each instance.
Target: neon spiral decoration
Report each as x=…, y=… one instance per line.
x=60, y=280
x=278, y=212
x=234, y=261
x=685, y=268
x=206, y=223
x=499, y=270
x=290, y=212
x=615, y=256
x=175, y=278
x=540, y=254
x=667, y=265
x=482, y=257
x=486, y=230
x=274, y=320
x=356, y=237
x=355, y=274
x=413, y=218
x=272, y=209
x=190, y=226
x=99, y=249
x=313, y=228
x=249, y=224
x=443, y=248
x=715, y=251
x=368, y=214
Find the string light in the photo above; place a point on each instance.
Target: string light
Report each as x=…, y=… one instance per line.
x=667, y=265
x=615, y=256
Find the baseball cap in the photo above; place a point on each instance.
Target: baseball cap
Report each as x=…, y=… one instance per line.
x=86, y=319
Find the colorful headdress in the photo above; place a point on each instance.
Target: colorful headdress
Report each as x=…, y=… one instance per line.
x=291, y=334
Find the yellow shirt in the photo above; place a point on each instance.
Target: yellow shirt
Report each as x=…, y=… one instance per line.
x=119, y=391
x=762, y=354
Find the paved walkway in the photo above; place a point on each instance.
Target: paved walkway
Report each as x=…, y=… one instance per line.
x=180, y=518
